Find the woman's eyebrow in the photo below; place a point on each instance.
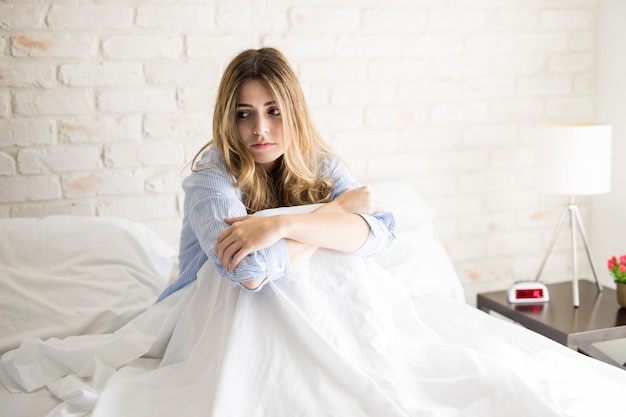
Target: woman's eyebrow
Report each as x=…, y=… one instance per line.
x=269, y=103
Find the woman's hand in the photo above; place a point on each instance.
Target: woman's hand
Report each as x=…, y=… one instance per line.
x=358, y=200
x=245, y=235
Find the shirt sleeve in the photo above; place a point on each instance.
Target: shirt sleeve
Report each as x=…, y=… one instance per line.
x=210, y=197
x=382, y=224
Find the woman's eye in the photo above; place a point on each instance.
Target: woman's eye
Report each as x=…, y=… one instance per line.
x=243, y=115
x=274, y=112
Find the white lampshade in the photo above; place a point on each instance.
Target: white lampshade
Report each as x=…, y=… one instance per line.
x=574, y=159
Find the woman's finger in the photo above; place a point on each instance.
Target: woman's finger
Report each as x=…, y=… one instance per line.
x=231, y=220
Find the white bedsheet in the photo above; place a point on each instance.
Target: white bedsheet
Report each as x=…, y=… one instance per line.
x=341, y=337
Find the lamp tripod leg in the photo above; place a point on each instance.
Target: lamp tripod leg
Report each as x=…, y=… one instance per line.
x=572, y=217
x=581, y=228
x=555, y=234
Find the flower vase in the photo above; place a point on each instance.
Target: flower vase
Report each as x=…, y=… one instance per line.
x=621, y=294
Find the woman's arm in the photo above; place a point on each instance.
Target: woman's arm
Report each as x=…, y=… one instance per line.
x=333, y=226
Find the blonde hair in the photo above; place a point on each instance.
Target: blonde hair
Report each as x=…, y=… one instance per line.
x=296, y=179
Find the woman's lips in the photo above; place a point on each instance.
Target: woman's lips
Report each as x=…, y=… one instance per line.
x=262, y=145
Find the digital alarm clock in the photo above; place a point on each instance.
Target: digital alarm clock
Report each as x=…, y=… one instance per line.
x=528, y=292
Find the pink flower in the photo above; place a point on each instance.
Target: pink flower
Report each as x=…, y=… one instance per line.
x=617, y=269
x=612, y=262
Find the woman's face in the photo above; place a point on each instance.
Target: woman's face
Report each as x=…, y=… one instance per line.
x=259, y=123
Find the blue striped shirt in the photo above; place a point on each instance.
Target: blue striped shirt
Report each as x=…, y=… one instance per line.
x=211, y=195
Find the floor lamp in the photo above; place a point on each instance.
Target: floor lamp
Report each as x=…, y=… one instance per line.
x=574, y=160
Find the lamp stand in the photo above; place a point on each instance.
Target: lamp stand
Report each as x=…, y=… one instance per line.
x=576, y=223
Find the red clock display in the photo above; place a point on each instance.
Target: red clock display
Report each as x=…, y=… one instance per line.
x=532, y=293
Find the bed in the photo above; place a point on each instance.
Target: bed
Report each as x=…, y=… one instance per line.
x=80, y=334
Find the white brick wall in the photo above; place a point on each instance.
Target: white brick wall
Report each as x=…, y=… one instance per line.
x=103, y=103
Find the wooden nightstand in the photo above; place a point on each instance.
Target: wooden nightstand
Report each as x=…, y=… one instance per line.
x=598, y=318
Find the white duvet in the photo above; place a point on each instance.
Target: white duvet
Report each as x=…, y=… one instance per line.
x=340, y=337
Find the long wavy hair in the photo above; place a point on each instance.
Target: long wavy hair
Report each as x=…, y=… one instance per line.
x=296, y=180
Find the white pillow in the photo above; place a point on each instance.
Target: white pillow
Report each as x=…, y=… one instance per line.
x=420, y=261
x=406, y=202
x=69, y=275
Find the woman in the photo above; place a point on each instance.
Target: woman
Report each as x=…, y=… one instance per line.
x=267, y=153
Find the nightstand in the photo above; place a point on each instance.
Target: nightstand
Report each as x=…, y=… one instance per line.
x=598, y=318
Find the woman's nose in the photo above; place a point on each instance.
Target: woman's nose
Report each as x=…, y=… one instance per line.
x=261, y=127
